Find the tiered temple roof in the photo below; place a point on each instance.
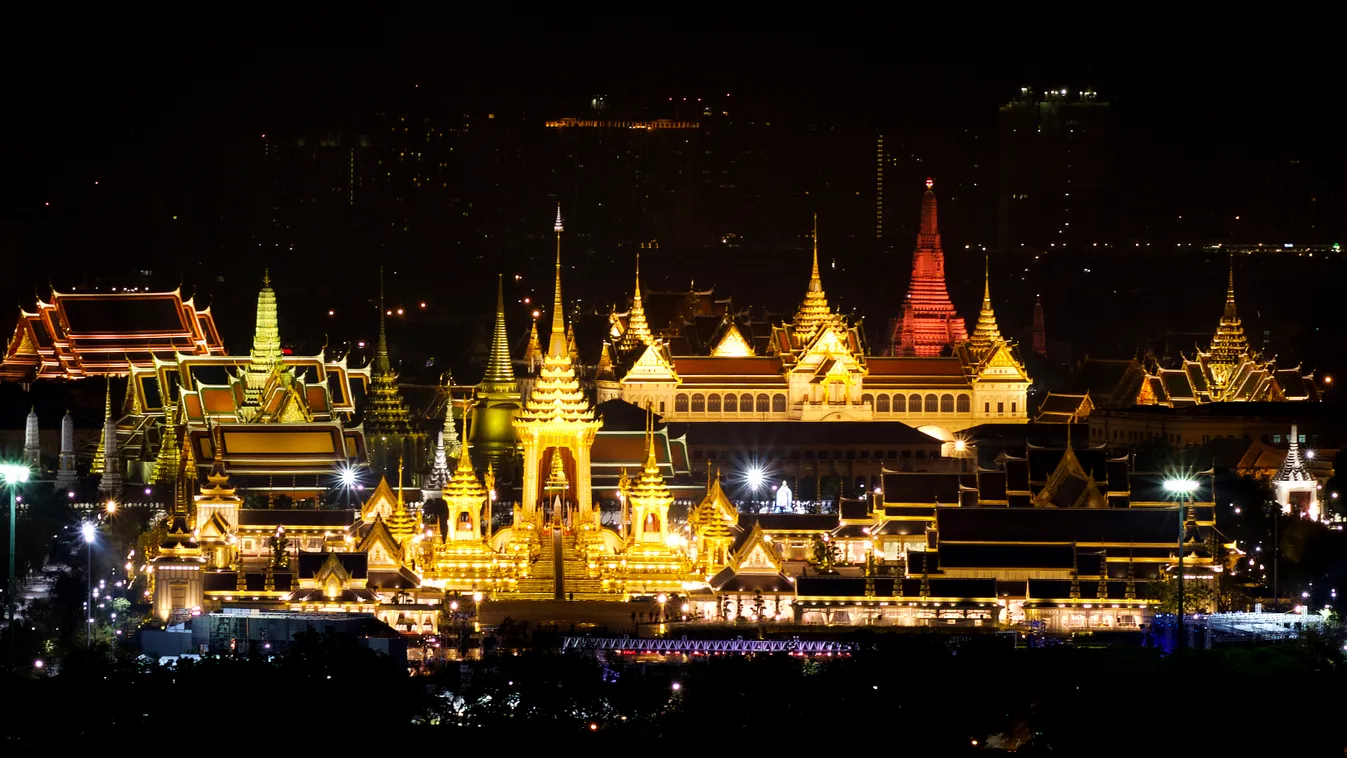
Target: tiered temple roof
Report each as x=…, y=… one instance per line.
x=1229, y=344
x=986, y=334
x=78, y=335
x=814, y=311
x=637, y=332
x=499, y=377
x=1293, y=468
x=386, y=412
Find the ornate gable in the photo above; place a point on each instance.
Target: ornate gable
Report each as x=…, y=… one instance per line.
x=1070, y=486
x=380, y=505
x=1000, y=365
x=757, y=555
x=216, y=528
x=651, y=366
x=829, y=352
x=381, y=548
x=732, y=344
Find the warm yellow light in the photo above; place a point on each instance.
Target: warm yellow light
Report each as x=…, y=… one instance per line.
x=112, y=507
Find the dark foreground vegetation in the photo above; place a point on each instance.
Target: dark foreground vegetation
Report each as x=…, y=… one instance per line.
x=908, y=692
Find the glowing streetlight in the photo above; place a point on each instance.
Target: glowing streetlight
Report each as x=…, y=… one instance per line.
x=89, y=533
x=13, y=476
x=1182, y=490
x=755, y=477
x=111, y=507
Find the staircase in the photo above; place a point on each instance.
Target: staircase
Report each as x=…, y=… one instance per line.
x=541, y=582
x=576, y=575
x=561, y=574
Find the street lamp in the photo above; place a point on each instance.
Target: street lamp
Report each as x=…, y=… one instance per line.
x=89, y=533
x=1182, y=490
x=347, y=476
x=13, y=476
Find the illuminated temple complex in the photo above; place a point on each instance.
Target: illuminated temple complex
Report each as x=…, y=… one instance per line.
x=1227, y=372
x=817, y=367
x=1067, y=536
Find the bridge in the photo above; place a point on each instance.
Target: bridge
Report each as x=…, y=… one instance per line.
x=1263, y=626
x=684, y=646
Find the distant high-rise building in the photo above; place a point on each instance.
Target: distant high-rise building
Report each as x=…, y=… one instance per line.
x=1055, y=169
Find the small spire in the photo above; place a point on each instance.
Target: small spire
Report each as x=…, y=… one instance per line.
x=381, y=361
x=929, y=182
x=266, y=277
x=558, y=226
x=815, y=282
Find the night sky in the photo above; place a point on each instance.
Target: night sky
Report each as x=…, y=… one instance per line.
x=115, y=127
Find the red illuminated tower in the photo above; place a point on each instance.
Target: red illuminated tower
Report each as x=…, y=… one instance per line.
x=1040, y=337
x=929, y=323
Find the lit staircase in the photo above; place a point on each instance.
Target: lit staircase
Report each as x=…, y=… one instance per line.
x=576, y=578
x=541, y=581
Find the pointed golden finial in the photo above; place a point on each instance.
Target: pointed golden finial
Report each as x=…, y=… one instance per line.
x=815, y=282
x=266, y=277
x=399, y=479
x=556, y=346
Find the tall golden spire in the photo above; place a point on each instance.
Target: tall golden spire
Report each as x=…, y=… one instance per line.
x=986, y=335
x=170, y=454
x=556, y=345
x=499, y=370
x=100, y=455
x=556, y=395
x=813, y=313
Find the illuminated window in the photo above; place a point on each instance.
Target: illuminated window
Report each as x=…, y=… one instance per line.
x=882, y=404
x=868, y=400
x=932, y=404
x=1000, y=407
x=745, y=403
x=699, y=403
x=914, y=403
x=899, y=404
x=680, y=403
x=713, y=404
x=779, y=404
x=965, y=404
x=731, y=404
x=946, y=403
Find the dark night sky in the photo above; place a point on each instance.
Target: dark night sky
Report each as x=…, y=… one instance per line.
x=130, y=104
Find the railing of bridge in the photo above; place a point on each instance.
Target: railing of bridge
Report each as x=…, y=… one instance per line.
x=706, y=647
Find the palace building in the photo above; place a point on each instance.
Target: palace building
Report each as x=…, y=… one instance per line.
x=279, y=420
x=90, y=334
x=1227, y=372
x=817, y=367
x=1066, y=537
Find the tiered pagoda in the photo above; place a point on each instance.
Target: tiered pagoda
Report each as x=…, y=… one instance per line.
x=1229, y=344
x=929, y=324
x=496, y=399
x=388, y=423
x=557, y=420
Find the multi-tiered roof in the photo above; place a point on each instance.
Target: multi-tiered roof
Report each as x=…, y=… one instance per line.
x=814, y=311
x=386, y=412
x=986, y=335
x=1229, y=344
x=638, y=331
x=499, y=377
